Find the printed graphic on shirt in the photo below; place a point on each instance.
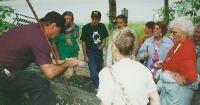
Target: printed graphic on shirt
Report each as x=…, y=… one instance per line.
x=96, y=38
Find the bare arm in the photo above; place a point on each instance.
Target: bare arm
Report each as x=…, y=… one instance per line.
x=52, y=70
x=103, y=43
x=154, y=98
x=84, y=51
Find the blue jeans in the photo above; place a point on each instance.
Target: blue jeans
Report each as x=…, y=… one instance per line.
x=95, y=65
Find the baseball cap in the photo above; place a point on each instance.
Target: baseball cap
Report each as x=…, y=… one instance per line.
x=54, y=17
x=96, y=14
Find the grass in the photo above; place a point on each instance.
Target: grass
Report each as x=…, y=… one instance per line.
x=138, y=27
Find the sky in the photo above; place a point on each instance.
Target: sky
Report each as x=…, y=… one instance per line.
x=138, y=10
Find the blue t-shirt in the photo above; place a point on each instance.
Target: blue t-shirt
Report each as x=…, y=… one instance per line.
x=93, y=35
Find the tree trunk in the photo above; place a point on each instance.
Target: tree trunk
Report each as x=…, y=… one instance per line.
x=166, y=12
x=112, y=14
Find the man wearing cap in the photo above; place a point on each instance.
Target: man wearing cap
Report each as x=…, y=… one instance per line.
x=93, y=41
x=23, y=45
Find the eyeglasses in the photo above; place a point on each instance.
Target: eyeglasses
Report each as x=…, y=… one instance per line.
x=173, y=32
x=120, y=22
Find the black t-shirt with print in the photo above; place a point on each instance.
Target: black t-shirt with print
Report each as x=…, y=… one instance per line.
x=93, y=36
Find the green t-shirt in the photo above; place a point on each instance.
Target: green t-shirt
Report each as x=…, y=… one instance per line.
x=65, y=50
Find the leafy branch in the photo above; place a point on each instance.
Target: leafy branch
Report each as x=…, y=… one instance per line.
x=5, y=11
x=190, y=8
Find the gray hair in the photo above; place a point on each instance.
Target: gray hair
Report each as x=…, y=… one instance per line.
x=124, y=41
x=184, y=23
x=118, y=31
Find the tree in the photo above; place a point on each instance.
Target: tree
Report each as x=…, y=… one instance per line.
x=189, y=8
x=5, y=11
x=112, y=14
x=166, y=12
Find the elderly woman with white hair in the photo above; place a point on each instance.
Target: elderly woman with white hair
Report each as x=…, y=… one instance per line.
x=126, y=82
x=179, y=69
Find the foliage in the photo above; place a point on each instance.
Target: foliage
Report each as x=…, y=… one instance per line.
x=5, y=11
x=138, y=27
x=111, y=25
x=189, y=8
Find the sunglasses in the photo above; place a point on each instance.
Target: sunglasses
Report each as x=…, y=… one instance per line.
x=173, y=32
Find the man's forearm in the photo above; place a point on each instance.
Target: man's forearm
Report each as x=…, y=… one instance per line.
x=60, y=68
x=104, y=42
x=52, y=70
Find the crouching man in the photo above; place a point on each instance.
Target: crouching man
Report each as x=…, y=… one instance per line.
x=23, y=45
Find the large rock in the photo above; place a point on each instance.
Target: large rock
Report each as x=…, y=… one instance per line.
x=79, y=87
x=82, y=97
x=63, y=97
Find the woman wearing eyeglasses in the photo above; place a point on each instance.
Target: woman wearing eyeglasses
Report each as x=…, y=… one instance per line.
x=179, y=69
x=154, y=50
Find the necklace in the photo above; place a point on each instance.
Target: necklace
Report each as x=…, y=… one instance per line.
x=173, y=52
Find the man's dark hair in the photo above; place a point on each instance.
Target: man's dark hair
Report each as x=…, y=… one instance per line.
x=96, y=14
x=68, y=13
x=150, y=25
x=54, y=17
x=121, y=16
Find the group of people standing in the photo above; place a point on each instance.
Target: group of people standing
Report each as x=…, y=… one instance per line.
x=173, y=63
x=160, y=70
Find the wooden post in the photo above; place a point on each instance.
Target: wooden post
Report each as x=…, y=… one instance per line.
x=125, y=12
x=166, y=12
x=112, y=14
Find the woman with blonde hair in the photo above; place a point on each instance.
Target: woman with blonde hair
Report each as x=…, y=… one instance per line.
x=126, y=82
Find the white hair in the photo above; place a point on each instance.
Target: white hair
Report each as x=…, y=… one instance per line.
x=184, y=23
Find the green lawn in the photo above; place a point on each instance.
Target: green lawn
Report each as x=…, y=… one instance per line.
x=138, y=27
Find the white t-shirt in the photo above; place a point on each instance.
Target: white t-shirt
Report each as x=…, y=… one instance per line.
x=134, y=77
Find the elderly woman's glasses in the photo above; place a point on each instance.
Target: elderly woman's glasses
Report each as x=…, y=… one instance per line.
x=173, y=32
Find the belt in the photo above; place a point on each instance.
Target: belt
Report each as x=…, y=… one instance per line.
x=5, y=71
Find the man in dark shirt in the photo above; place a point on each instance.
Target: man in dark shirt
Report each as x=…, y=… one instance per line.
x=93, y=41
x=21, y=46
